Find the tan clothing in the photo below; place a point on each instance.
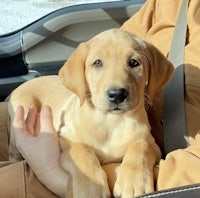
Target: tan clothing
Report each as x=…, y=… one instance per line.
x=4, y=121
x=155, y=23
x=18, y=181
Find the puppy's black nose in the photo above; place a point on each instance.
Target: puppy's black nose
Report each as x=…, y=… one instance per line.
x=117, y=95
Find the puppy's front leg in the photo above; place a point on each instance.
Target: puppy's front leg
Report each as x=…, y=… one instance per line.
x=135, y=174
x=88, y=179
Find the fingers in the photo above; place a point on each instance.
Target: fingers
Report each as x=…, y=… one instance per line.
x=31, y=121
x=30, y=125
x=18, y=122
x=19, y=127
x=34, y=122
x=37, y=125
x=46, y=120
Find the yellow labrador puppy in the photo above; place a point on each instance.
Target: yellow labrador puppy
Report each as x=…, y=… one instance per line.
x=98, y=103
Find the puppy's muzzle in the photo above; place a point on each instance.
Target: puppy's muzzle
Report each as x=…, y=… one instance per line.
x=117, y=95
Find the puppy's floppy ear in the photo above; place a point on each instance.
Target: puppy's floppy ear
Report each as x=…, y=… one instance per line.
x=72, y=73
x=160, y=70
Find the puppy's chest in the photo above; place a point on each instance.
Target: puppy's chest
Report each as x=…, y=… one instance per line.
x=109, y=136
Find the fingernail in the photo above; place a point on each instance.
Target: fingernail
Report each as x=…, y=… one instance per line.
x=46, y=110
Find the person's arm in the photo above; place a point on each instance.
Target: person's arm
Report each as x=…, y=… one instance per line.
x=141, y=22
x=38, y=143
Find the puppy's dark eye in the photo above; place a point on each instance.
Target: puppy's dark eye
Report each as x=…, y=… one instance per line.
x=133, y=63
x=98, y=63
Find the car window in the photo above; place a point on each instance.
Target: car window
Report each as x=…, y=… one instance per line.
x=16, y=14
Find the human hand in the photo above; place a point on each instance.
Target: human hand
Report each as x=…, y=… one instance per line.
x=37, y=141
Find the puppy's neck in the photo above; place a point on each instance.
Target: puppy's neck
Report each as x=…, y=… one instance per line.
x=137, y=114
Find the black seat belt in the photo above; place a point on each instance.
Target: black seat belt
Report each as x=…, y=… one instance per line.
x=175, y=127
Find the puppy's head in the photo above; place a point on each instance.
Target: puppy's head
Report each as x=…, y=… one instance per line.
x=114, y=70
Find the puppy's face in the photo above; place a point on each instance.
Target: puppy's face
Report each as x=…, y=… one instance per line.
x=116, y=72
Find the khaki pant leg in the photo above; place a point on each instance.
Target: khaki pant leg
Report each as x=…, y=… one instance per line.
x=4, y=131
x=18, y=181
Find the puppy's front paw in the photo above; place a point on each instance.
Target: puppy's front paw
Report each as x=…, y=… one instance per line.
x=97, y=190
x=84, y=186
x=87, y=178
x=133, y=182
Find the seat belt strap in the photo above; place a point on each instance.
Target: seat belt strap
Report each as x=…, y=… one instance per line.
x=175, y=128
